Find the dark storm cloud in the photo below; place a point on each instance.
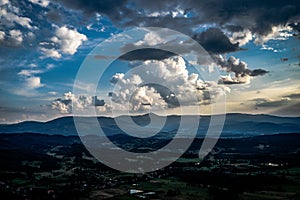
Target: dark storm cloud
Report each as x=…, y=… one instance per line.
x=147, y=54
x=108, y=7
x=215, y=41
x=295, y=26
x=233, y=28
x=257, y=16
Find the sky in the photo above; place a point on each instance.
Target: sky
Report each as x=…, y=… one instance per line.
x=253, y=46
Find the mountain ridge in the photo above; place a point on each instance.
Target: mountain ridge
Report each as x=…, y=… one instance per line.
x=236, y=124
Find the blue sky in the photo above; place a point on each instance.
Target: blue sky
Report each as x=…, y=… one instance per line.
x=255, y=45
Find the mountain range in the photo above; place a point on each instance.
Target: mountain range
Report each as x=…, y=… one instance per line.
x=236, y=125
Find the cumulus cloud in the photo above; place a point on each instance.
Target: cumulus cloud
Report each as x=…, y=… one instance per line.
x=82, y=102
x=242, y=74
x=9, y=16
x=68, y=39
x=157, y=84
x=33, y=82
x=150, y=39
x=50, y=53
x=65, y=41
x=128, y=91
x=14, y=38
x=241, y=37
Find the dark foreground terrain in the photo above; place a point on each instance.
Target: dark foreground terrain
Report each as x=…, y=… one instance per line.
x=39, y=166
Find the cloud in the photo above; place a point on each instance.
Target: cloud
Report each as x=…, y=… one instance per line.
x=150, y=47
x=17, y=114
x=258, y=17
x=228, y=80
x=111, y=8
x=258, y=72
x=50, y=53
x=293, y=96
x=129, y=93
x=64, y=104
x=241, y=37
x=167, y=85
x=242, y=74
x=52, y=93
x=2, y=35
x=147, y=54
x=150, y=39
x=29, y=72
x=33, y=82
x=43, y=3
x=14, y=38
x=9, y=16
x=215, y=41
x=292, y=109
x=67, y=40
x=264, y=102
x=97, y=102
x=279, y=32
x=3, y=2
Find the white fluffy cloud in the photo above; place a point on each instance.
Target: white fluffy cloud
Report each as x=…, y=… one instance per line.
x=66, y=40
x=82, y=102
x=242, y=37
x=150, y=39
x=129, y=93
x=12, y=39
x=16, y=36
x=162, y=84
x=50, y=53
x=33, y=82
x=10, y=16
x=154, y=85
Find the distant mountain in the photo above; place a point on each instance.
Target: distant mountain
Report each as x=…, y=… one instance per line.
x=236, y=125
